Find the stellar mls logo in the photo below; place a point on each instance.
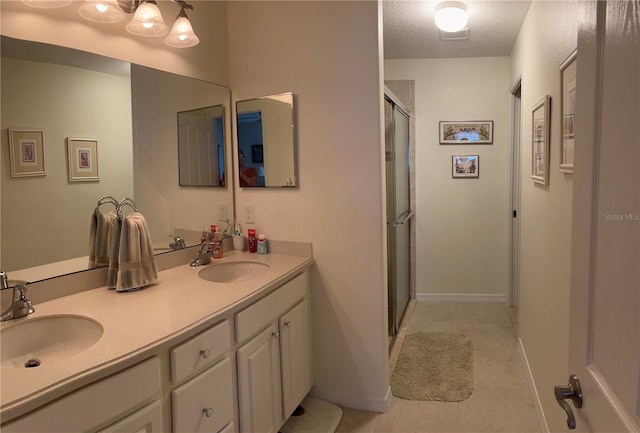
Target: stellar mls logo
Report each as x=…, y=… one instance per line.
x=620, y=216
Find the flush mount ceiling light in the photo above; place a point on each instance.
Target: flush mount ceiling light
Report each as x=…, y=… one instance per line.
x=451, y=16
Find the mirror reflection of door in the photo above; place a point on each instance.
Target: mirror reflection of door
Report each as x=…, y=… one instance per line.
x=250, y=159
x=201, y=147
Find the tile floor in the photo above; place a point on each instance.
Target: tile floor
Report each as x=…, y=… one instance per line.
x=501, y=400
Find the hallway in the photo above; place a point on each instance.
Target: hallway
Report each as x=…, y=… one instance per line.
x=501, y=400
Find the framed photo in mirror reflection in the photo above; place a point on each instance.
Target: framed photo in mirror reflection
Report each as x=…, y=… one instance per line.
x=27, y=152
x=83, y=159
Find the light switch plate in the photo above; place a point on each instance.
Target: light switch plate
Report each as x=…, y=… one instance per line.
x=249, y=214
x=223, y=214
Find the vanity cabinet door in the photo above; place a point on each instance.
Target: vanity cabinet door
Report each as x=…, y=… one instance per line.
x=259, y=388
x=295, y=356
x=205, y=403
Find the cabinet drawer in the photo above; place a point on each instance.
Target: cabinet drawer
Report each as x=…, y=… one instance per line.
x=146, y=420
x=95, y=404
x=255, y=317
x=200, y=351
x=205, y=403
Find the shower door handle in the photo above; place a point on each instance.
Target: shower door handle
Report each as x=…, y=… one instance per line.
x=403, y=218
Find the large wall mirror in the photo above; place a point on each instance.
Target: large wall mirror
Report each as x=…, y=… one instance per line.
x=266, y=145
x=131, y=111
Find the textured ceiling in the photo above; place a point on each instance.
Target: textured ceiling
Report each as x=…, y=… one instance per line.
x=410, y=32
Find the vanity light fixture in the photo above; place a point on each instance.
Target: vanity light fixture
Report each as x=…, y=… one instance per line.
x=182, y=35
x=46, y=4
x=101, y=11
x=147, y=19
x=451, y=16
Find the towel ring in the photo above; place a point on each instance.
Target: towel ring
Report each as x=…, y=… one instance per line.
x=107, y=199
x=126, y=202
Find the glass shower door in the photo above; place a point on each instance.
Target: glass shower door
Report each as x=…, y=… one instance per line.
x=399, y=213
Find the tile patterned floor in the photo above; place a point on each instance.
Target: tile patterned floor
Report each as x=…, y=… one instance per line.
x=501, y=400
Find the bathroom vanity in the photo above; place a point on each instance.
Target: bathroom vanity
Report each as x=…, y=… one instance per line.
x=199, y=351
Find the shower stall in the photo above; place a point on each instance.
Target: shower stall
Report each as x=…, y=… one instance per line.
x=399, y=214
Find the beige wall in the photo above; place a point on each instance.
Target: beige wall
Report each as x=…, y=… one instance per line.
x=327, y=53
x=548, y=36
x=66, y=102
x=461, y=224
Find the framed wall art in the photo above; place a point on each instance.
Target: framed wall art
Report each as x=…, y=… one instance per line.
x=568, y=78
x=27, y=152
x=465, y=166
x=466, y=132
x=83, y=159
x=541, y=136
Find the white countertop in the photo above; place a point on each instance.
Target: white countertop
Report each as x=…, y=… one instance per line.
x=135, y=324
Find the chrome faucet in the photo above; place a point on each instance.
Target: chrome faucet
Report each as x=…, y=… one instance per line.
x=177, y=244
x=204, y=256
x=20, y=305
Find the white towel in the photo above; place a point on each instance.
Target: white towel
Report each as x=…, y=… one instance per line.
x=102, y=225
x=136, y=264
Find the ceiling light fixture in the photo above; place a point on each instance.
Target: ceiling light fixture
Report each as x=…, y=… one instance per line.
x=147, y=19
x=451, y=16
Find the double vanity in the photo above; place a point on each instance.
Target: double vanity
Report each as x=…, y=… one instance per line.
x=219, y=348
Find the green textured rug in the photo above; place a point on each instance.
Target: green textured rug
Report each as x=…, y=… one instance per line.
x=435, y=366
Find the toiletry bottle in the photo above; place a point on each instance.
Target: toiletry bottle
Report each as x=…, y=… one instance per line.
x=262, y=244
x=212, y=237
x=251, y=234
x=204, y=236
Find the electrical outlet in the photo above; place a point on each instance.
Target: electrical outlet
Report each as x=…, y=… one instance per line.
x=249, y=214
x=222, y=212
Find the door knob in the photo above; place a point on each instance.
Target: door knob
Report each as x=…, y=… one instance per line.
x=573, y=392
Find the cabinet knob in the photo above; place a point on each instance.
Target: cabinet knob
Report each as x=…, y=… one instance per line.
x=287, y=323
x=205, y=353
x=208, y=412
x=275, y=334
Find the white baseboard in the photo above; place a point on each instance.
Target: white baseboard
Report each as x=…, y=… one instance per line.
x=442, y=298
x=532, y=387
x=355, y=403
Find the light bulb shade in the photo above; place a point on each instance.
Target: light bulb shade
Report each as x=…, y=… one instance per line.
x=182, y=35
x=451, y=16
x=46, y=4
x=101, y=11
x=147, y=21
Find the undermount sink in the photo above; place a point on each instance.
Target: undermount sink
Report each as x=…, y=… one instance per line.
x=45, y=340
x=232, y=272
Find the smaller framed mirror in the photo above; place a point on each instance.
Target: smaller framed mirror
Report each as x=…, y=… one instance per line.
x=266, y=145
x=201, y=147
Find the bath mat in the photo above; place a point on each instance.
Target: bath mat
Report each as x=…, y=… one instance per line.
x=436, y=366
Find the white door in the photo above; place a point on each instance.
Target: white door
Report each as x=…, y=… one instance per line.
x=605, y=288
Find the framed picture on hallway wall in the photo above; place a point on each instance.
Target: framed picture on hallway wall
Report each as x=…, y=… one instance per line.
x=540, y=139
x=568, y=76
x=83, y=159
x=466, y=132
x=465, y=166
x=26, y=152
